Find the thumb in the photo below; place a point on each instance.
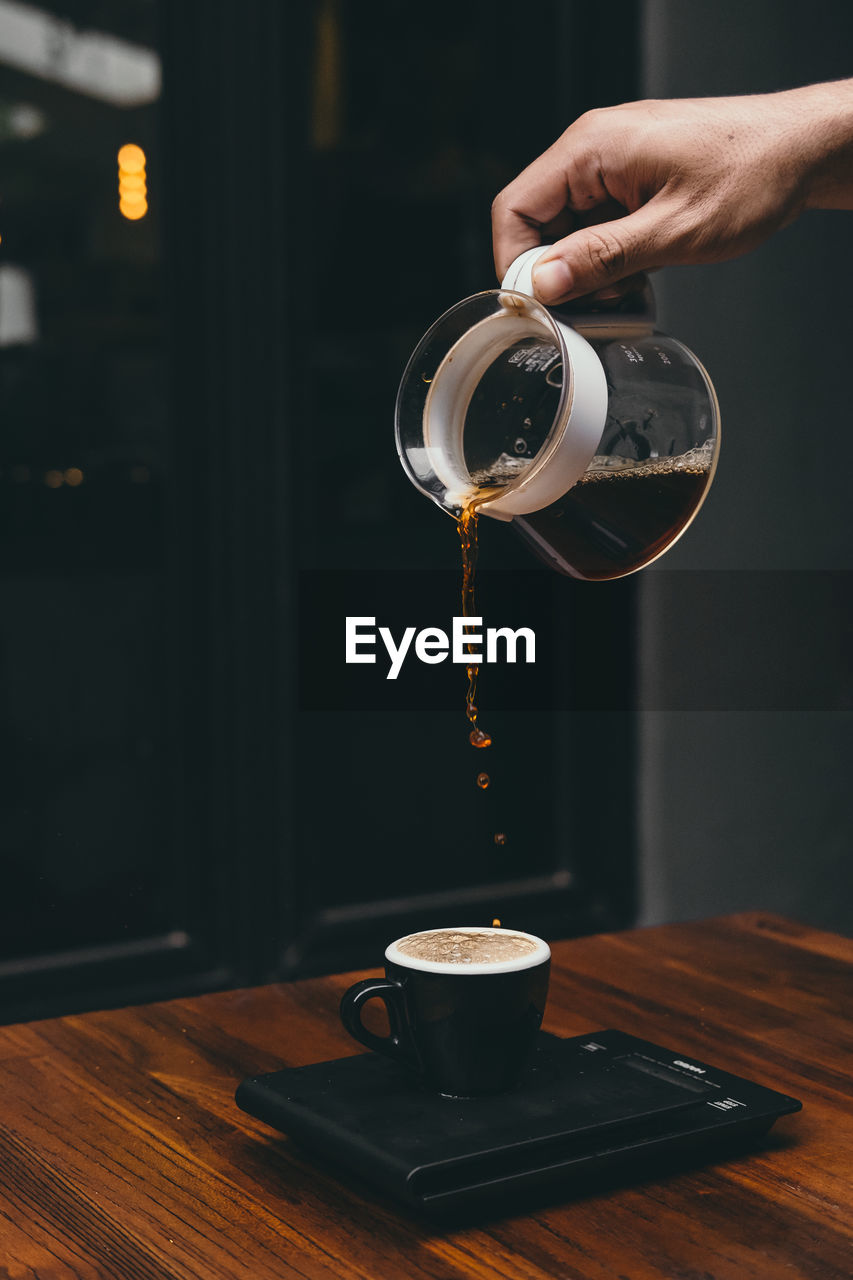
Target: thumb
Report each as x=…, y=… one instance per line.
x=595, y=256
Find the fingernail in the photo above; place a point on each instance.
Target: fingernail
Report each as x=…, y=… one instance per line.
x=552, y=280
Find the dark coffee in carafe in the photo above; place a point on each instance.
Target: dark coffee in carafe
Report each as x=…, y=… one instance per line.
x=615, y=521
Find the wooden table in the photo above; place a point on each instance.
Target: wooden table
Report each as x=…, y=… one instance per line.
x=123, y=1156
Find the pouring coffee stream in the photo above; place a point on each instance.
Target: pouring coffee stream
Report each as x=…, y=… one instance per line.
x=468, y=538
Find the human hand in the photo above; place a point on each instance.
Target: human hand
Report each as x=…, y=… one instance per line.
x=631, y=188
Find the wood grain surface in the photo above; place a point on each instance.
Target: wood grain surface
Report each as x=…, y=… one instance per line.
x=124, y=1157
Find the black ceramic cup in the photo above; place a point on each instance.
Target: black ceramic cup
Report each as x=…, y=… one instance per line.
x=461, y=1027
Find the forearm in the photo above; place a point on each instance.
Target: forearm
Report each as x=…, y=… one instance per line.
x=822, y=116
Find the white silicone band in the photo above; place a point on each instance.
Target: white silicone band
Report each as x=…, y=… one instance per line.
x=566, y=456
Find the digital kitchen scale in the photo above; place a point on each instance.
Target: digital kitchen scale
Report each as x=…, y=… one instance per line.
x=586, y=1104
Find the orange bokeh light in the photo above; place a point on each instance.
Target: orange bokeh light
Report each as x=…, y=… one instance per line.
x=131, y=158
x=132, y=190
x=133, y=211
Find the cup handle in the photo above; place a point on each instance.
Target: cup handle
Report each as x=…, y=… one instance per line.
x=399, y=1044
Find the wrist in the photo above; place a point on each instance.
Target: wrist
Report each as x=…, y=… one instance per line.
x=822, y=116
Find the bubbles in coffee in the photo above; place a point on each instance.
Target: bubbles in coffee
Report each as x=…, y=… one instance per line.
x=467, y=947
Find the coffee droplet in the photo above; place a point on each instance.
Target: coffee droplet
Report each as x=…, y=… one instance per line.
x=482, y=780
x=500, y=838
x=496, y=924
x=479, y=738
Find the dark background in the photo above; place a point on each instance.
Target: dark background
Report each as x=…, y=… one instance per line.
x=193, y=796
x=749, y=804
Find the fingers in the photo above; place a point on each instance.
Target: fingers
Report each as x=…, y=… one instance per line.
x=595, y=258
x=541, y=200
x=512, y=234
